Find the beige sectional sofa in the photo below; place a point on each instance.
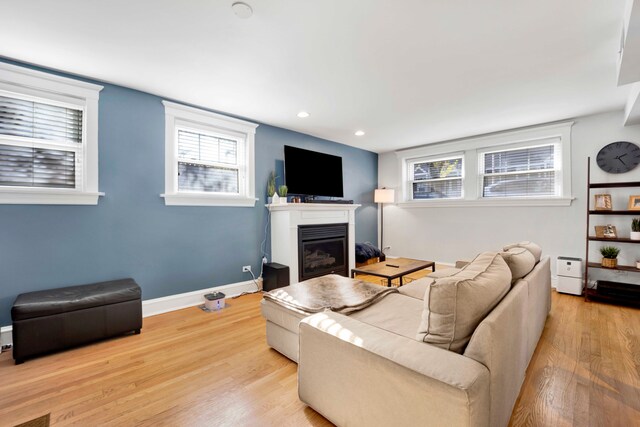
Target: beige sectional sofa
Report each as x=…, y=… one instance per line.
x=406, y=360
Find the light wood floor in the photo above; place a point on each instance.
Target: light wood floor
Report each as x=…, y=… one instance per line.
x=190, y=368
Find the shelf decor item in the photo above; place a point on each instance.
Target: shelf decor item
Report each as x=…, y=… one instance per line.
x=635, y=229
x=603, y=202
x=609, y=256
x=606, y=231
x=634, y=203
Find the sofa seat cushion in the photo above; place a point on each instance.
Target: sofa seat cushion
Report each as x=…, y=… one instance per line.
x=394, y=313
x=285, y=317
x=72, y=298
x=417, y=288
x=520, y=261
x=535, y=249
x=454, y=306
x=445, y=272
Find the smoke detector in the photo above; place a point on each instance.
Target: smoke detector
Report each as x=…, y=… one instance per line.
x=242, y=10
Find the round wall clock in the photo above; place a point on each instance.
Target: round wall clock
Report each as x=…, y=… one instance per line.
x=618, y=157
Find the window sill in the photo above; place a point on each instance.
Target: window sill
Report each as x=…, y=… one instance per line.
x=47, y=197
x=555, y=201
x=208, y=200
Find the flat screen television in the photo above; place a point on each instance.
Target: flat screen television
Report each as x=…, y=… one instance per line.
x=311, y=173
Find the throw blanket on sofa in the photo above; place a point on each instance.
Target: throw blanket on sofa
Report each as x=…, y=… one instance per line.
x=332, y=292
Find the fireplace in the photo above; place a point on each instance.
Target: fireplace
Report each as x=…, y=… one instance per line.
x=288, y=219
x=322, y=249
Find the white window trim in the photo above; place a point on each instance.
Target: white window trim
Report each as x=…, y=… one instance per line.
x=448, y=156
x=558, y=170
x=59, y=90
x=177, y=115
x=472, y=147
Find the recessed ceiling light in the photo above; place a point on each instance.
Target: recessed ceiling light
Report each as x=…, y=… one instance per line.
x=303, y=114
x=242, y=10
x=359, y=132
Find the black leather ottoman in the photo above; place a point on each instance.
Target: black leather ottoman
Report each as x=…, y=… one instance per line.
x=56, y=319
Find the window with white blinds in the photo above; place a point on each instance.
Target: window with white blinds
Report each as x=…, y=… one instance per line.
x=436, y=178
x=209, y=158
x=208, y=163
x=522, y=172
x=48, y=138
x=40, y=144
x=523, y=167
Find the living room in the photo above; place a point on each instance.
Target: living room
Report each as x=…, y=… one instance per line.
x=142, y=145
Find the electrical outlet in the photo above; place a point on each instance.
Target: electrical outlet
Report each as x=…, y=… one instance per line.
x=246, y=268
x=264, y=260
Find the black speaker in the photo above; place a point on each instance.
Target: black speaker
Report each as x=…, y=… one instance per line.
x=274, y=276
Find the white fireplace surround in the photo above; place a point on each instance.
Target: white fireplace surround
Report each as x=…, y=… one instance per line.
x=285, y=219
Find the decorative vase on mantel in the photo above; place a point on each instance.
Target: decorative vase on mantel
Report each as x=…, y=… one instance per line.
x=275, y=200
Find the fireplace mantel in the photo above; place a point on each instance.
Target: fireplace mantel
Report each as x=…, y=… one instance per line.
x=285, y=219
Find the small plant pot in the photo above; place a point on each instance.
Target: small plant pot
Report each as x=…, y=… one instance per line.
x=610, y=262
x=638, y=265
x=269, y=200
x=635, y=235
x=283, y=200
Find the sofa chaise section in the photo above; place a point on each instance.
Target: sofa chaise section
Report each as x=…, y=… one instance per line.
x=354, y=373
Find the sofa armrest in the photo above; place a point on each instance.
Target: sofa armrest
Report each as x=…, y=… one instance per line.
x=354, y=373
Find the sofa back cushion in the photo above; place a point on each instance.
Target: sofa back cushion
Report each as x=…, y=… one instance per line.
x=535, y=250
x=520, y=261
x=455, y=305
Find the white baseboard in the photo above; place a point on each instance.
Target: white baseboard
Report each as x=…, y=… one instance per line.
x=169, y=303
x=5, y=336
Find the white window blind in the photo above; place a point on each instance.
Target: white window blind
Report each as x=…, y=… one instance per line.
x=207, y=163
x=40, y=144
x=521, y=172
x=436, y=179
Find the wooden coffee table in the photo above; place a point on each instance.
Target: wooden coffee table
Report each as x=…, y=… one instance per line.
x=394, y=268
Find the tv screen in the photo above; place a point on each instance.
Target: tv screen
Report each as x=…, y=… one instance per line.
x=311, y=173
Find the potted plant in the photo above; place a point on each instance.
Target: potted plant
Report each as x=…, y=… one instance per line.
x=635, y=229
x=282, y=192
x=609, y=256
x=271, y=187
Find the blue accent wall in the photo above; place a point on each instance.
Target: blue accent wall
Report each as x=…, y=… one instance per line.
x=131, y=233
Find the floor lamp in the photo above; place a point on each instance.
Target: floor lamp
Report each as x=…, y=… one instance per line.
x=382, y=196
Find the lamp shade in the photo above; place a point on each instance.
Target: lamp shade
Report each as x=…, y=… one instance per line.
x=384, y=195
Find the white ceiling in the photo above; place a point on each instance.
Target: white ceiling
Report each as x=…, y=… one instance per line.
x=407, y=72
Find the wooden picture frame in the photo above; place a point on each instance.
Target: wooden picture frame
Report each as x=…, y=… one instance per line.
x=606, y=231
x=603, y=202
x=634, y=203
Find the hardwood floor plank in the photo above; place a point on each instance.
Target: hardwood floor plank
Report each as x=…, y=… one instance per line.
x=190, y=368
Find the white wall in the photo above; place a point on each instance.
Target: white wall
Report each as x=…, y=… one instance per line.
x=449, y=234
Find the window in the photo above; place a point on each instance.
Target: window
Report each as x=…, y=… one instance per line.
x=525, y=167
x=521, y=172
x=436, y=178
x=209, y=158
x=48, y=138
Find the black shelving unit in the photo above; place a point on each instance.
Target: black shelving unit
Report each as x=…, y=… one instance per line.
x=629, y=298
